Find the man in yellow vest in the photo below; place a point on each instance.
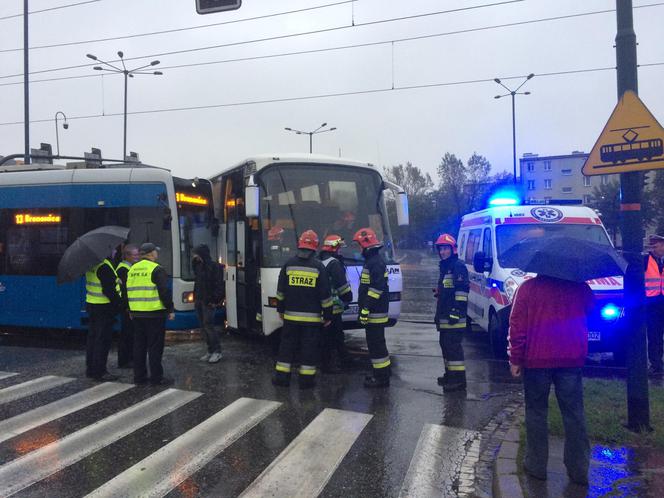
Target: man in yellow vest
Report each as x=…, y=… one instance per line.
x=150, y=301
x=654, y=264
x=126, y=340
x=102, y=302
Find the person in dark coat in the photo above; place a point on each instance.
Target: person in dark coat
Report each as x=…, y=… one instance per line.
x=126, y=339
x=208, y=296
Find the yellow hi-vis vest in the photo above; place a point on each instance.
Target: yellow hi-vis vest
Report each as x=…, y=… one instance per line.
x=142, y=293
x=93, y=289
x=654, y=279
x=124, y=264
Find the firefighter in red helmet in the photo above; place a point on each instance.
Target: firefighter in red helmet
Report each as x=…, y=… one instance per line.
x=334, y=348
x=303, y=302
x=373, y=303
x=452, y=294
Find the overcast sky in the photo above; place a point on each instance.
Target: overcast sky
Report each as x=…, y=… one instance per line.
x=565, y=112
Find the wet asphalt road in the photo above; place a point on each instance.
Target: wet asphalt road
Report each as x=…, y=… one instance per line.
x=366, y=456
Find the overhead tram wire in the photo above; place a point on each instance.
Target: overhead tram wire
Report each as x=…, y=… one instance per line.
x=344, y=47
x=331, y=95
x=270, y=38
x=13, y=16
x=255, y=18
x=330, y=49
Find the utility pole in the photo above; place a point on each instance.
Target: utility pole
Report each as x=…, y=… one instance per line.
x=26, y=85
x=638, y=404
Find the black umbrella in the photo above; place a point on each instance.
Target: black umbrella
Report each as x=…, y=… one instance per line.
x=564, y=257
x=88, y=250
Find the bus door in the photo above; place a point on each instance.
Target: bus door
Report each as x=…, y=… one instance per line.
x=232, y=192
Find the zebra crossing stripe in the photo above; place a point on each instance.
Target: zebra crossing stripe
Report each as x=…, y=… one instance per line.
x=442, y=464
x=5, y=375
x=306, y=465
x=47, y=460
x=158, y=474
x=19, y=424
x=31, y=387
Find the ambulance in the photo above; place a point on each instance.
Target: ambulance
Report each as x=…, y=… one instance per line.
x=486, y=235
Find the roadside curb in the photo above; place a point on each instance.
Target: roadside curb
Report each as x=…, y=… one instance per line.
x=506, y=482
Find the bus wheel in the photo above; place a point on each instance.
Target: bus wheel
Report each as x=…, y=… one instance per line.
x=497, y=336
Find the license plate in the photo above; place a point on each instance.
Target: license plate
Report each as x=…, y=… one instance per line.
x=594, y=335
x=353, y=309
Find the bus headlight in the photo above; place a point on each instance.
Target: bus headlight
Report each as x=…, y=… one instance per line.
x=610, y=312
x=187, y=297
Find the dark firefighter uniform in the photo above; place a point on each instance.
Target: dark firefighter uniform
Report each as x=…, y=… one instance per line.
x=304, y=300
x=450, y=319
x=373, y=303
x=103, y=302
x=341, y=296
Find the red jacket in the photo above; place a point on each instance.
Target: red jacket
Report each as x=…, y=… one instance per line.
x=549, y=323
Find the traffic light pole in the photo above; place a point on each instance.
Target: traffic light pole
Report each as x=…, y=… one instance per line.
x=638, y=404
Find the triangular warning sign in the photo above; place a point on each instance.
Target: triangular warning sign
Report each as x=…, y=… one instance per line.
x=632, y=140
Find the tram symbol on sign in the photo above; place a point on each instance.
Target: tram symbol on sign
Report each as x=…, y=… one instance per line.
x=632, y=149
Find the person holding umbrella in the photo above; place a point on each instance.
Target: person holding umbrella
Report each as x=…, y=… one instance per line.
x=150, y=301
x=103, y=302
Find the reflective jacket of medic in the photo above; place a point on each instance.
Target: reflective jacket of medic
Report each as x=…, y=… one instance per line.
x=654, y=278
x=303, y=291
x=373, y=293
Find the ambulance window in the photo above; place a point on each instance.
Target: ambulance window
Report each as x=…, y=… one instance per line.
x=473, y=245
x=486, y=244
x=462, y=246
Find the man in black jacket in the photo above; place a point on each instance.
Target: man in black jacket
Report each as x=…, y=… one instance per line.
x=303, y=303
x=208, y=295
x=126, y=340
x=373, y=303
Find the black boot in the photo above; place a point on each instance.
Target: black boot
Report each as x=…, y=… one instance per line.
x=454, y=382
x=281, y=379
x=307, y=381
x=372, y=382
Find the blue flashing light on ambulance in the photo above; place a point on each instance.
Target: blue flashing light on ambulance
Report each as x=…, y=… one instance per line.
x=485, y=235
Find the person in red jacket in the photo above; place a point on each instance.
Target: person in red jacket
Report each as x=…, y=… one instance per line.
x=548, y=344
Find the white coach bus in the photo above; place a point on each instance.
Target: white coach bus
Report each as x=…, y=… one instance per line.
x=265, y=202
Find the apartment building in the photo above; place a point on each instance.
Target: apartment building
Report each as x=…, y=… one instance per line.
x=558, y=179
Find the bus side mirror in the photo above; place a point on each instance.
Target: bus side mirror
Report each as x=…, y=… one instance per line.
x=252, y=201
x=481, y=263
x=402, y=209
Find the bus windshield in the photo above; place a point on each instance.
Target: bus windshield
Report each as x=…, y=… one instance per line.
x=330, y=199
x=193, y=200
x=508, y=235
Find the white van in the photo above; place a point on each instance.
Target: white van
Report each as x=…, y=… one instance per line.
x=485, y=235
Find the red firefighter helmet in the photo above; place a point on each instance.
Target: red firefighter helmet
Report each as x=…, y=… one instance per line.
x=275, y=233
x=367, y=238
x=308, y=240
x=333, y=243
x=446, y=239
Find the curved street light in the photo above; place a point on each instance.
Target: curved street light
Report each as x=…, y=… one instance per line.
x=311, y=133
x=65, y=125
x=513, y=94
x=128, y=73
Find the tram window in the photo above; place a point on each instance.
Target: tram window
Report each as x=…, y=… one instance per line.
x=34, y=250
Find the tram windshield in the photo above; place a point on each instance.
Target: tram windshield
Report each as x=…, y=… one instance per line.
x=330, y=199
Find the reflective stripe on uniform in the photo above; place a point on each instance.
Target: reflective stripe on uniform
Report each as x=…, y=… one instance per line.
x=448, y=282
x=343, y=289
x=302, y=271
x=378, y=318
x=381, y=362
x=301, y=316
x=460, y=296
x=142, y=292
x=455, y=366
x=282, y=367
x=449, y=326
x=280, y=296
x=93, y=285
x=326, y=303
x=365, y=278
x=307, y=370
x=375, y=293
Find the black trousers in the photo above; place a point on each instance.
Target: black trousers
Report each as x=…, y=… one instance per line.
x=149, y=334
x=125, y=341
x=303, y=338
x=655, y=321
x=100, y=336
x=333, y=341
x=380, y=356
x=450, y=345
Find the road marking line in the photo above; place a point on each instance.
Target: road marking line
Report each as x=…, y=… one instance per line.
x=34, y=418
x=47, y=460
x=162, y=471
x=5, y=375
x=31, y=387
x=442, y=464
x=306, y=465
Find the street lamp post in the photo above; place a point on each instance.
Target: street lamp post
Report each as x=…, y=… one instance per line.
x=65, y=125
x=128, y=73
x=311, y=133
x=513, y=94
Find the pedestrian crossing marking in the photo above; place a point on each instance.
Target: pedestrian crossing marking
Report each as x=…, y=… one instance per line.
x=31, y=387
x=436, y=469
x=47, y=460
x=162, y=471
x=6, y=375
x=295, y=472
x=24, y=422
